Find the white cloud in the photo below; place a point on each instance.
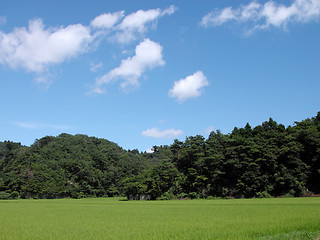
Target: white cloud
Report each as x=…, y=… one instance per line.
x=36, y=48
x=107, y=20
x=150, y=150
x=156, y=133
x=148, y=55
x=189, y=87
x=217, y=18
x=138, y=20
x=266, y=15
x=137, y=23
x=169, y=11
x=250, y=11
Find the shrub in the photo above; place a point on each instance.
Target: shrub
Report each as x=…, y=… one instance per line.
x=181, y=196
x=213, y=198
x=263, y=194
x=4, y=195
x=290, y=194
x=193, y=195
x=14, y=195
x=162, y=198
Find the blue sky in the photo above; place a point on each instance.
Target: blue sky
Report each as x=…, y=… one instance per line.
x=143, y=73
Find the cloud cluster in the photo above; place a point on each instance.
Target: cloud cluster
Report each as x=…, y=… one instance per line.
x=130, y=26
x=148, y=55
x=189, y=87
x=37, y=48
x=266, y=15
x=156, y=133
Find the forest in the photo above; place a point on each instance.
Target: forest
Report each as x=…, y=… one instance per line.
x=269, y=160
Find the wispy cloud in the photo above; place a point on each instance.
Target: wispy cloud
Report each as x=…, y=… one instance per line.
x=168, y=133
x=262, y=16
x=209, y=130
x=3, y=20
x=137, y=23
x=37, y=126
x=189, y=87
x=107, y=20
x=148, y=55
x=95, y=66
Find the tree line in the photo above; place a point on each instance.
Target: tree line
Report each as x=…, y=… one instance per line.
x=269, y=160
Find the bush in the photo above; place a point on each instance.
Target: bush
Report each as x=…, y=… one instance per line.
x=263, y=194
x=162, y=198
x=193, y=195
x=290, y=194
x=213, y=198
x=4, y=195
x=181, y=196
x=14, y=195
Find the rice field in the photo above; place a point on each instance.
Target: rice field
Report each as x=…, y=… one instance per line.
x=110, y=218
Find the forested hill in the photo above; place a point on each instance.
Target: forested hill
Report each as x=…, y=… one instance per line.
x=264, y=161
x=67, y=166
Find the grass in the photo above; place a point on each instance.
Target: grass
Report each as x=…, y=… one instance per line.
x=109, y=218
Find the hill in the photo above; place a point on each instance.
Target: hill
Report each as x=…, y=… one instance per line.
x=66, y=166
x=267, y=160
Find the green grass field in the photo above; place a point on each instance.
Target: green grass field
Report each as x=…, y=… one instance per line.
x=109, y=218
